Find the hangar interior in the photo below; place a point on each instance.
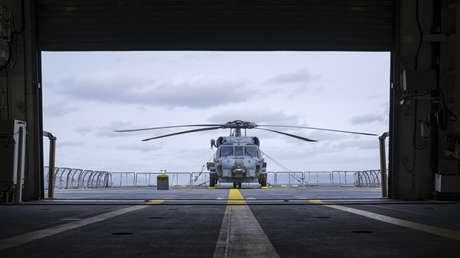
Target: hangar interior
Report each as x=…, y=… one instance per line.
x=424, y=136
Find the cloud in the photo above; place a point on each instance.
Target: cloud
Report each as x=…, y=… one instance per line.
x=358, y=144
x=58, y=109
x=300, y=76
x=108, y=130
x=270, y=117
x=324, y=155
x=323, y=136
x=193, y=93
x=83, y=130
x=257, y=115
x=154, y=89
x=275, y=117
x=309, y=150
x=291, y=84
x=367, y=119
x=141, y=147
x=65, y=144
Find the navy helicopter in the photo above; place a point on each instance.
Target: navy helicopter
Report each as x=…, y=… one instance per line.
x=238, y=159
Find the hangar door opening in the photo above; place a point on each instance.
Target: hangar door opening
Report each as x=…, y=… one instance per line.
x=89, y=95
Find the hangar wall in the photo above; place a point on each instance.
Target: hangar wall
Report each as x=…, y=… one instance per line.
x=421, y=35
x=20, y=85
x=426, y=97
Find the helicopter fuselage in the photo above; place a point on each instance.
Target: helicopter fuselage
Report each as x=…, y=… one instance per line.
x=237, y=160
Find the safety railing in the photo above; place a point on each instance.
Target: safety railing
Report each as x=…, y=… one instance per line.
x=312, y=177
x=369, y=178
x=72, y=178
x=150, y=178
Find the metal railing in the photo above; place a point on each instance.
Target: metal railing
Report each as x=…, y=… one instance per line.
x=73, y=178
x=127, y=179
x=368, y=178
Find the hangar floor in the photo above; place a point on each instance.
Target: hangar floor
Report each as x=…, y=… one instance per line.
x=229, y=223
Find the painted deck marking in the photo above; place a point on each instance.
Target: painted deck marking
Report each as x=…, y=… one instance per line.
x=395, y=221
x=42, y=233
x=240, y=233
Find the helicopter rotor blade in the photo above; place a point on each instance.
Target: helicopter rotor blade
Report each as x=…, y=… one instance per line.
x=183, y=132
x=164, y=127
x=320, y=129
x=288, y=134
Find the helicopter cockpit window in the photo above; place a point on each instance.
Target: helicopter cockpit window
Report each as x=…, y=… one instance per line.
x=252, y=152
x=226, y=151
x=239, y=151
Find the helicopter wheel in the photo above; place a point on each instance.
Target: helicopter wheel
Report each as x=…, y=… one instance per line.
x=212, y=181
x=263, y=180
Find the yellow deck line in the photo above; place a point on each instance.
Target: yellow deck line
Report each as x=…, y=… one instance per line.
x=42, y=233
x=240, y=233
x=448, y=233
x=235, y=197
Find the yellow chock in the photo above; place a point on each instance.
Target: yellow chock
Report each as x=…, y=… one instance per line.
x=211, y=187
x=264, y=187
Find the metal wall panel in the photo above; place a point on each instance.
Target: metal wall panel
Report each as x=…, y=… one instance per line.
x=67, y=25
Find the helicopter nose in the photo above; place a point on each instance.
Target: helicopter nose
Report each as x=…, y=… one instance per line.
x=239, y=163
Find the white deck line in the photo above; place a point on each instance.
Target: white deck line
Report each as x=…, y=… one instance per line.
x=42, y=233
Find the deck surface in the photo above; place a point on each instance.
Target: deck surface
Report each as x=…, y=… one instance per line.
x=300, y=222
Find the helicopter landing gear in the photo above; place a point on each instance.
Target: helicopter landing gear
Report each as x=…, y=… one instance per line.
x=263, y=180
x=212, y=180
x=237, y=185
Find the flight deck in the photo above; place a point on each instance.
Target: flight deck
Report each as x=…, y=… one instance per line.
x=227, y=222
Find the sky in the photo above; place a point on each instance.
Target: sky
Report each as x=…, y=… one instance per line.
x=88, y=95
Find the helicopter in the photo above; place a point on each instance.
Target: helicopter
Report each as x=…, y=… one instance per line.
x=238, y=159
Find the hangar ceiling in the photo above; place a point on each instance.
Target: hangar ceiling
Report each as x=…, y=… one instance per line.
x=309, y=25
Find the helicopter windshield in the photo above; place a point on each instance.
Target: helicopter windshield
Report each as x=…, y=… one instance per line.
x=238, y=150
x=251, y=152
x=226, y=151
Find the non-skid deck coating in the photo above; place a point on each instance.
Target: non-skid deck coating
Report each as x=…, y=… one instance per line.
x=190, y=223
x=189, y=193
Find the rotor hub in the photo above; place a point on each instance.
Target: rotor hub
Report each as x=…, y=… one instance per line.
x=240, y=124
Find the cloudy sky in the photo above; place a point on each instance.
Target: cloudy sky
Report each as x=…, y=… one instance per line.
x=87, y=95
